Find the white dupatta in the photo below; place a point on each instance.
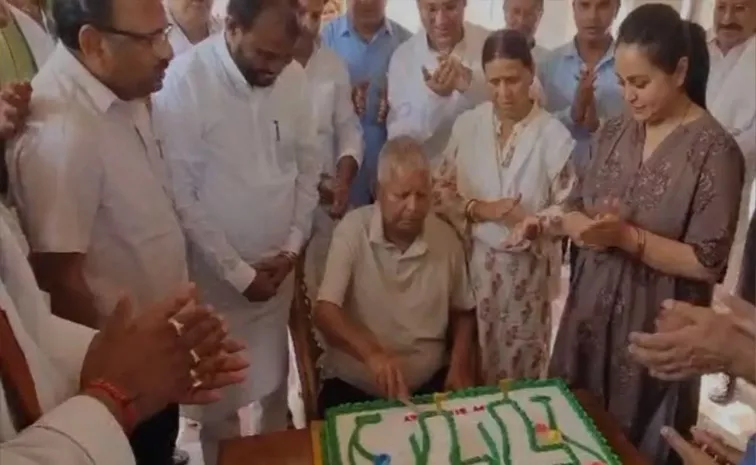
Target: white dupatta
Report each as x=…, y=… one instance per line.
x=537, y=149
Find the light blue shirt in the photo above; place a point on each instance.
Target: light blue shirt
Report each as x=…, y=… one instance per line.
x=750, y=455
x=560, y=74
x=367, y=61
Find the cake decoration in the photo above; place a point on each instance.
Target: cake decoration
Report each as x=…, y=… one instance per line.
x=538, y=423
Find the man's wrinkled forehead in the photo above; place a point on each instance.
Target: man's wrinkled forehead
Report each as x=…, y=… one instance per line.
x=141, y=16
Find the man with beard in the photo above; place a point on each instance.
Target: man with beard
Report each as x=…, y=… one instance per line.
x=88, y=178
x=236, y=118
x=192, y=22
x=731, y=98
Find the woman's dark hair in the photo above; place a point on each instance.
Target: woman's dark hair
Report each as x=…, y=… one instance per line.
x=667, y=38
x=508, y=44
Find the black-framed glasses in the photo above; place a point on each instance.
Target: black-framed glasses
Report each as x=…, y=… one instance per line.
x=151, y=38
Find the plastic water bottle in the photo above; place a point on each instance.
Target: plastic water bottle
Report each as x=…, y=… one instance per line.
x=382, y=459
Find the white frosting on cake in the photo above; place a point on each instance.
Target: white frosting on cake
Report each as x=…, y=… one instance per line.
x=575, y=442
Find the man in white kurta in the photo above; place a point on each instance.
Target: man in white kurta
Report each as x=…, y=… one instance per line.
x=731, y=98
x=192, y=23
x=435, y=76
x=244, y=162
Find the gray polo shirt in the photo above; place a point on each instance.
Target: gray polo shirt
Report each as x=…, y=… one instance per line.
x=402, y=298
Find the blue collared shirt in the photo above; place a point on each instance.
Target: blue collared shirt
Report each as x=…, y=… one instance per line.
x=367, y=61
x=560, y=74
x=750, y=455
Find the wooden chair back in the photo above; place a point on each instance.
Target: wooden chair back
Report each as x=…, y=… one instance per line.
x=306, y=348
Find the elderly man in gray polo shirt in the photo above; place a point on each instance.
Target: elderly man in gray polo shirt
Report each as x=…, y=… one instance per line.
x=395, y=307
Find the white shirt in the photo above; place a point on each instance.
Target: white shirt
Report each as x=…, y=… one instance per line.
x=417, y=111
x=88, y=177
x=41, y=43
x=180, y=42
x=731, y=95
x=244, y=161
x=338, y=128
x=73, y=430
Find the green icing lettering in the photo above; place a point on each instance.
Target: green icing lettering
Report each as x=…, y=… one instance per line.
x=497, y=442
x=355, y=446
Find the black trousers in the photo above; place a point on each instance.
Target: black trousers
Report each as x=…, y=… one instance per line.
x=336, y=392
x=154, y=440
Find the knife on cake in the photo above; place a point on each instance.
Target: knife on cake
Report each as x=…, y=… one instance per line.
x=408, y=403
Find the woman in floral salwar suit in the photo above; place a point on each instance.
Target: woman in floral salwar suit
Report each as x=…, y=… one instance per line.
x=508, y=159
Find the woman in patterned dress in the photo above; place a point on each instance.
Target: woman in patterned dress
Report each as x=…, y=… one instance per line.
x=508, y=159
x=655, y=215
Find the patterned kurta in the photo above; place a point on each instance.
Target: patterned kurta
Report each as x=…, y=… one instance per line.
x=688, y=190
x=514, y=286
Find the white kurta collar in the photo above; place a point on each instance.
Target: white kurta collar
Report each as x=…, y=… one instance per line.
x=70, y=67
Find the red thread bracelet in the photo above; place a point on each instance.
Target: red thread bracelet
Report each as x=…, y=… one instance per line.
x=125, y=402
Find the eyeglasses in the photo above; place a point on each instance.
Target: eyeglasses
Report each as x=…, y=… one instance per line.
x=153, y=39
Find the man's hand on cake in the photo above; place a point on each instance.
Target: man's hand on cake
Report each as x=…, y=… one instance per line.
x=388, y=375
x=705, y=449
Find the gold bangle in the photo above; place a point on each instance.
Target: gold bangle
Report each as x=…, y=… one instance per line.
x=469, y=207
x=640, y=251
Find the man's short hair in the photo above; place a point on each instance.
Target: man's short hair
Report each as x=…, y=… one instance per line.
x=539, y=3
x=246, y=12
x=401, y=153
x=71, y=15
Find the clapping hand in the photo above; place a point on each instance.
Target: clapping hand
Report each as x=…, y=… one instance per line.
x=524, y=233
x=496, y=210
x=705, y=449
x=584, y=96
x=693, y=341
x=383, y=105
x=161, y=355
x=359, y=97
x=450, y=75
x=606, y=227
x=14, y=108
x=225, y=368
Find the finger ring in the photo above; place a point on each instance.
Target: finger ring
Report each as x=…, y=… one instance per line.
x=195, y=358
x=178, y=326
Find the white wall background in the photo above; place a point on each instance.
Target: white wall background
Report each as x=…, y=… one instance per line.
x=556, y=27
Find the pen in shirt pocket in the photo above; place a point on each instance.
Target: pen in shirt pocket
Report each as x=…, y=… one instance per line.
x=277, y=129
